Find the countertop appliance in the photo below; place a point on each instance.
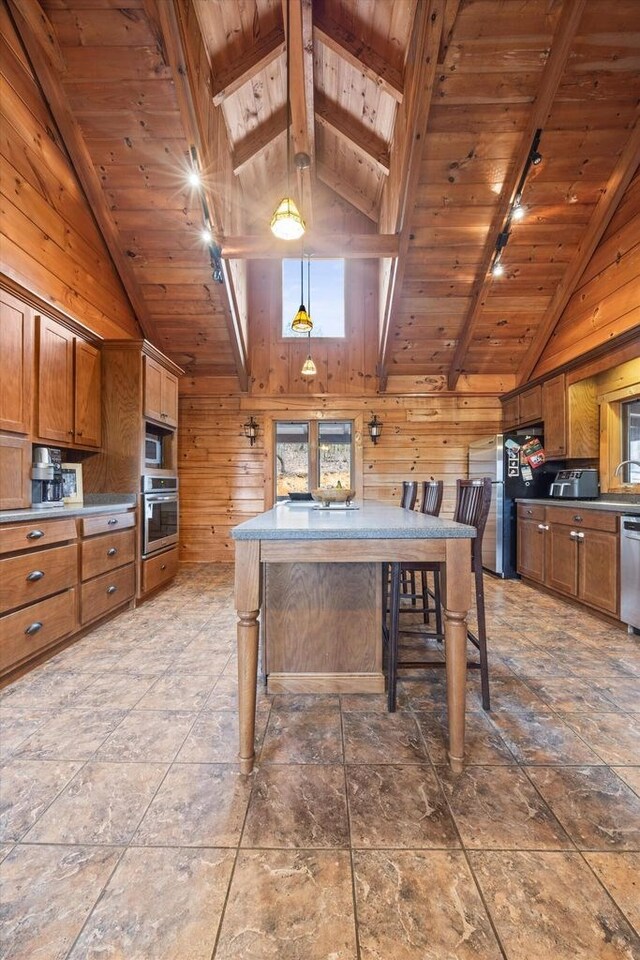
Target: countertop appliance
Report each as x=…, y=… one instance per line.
x=46, y=478
x=630, y=572
x=575, y=485
x=498, y=458
x=159, y=513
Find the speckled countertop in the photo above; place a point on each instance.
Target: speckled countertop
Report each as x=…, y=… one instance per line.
x=614, y=506
x=373, y=520
x=93, y=503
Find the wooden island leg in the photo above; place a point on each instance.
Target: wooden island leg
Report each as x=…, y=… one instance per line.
x=456, y=607
x=247, y=577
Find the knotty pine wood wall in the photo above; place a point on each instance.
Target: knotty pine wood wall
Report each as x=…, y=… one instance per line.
x=50, y=242
x=224, y=481
x=606, y=302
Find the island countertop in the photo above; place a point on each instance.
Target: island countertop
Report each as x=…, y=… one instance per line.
x=371, y=520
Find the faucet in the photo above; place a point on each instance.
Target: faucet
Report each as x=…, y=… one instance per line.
x=621, y=465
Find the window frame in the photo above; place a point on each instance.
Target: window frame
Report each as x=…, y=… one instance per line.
x=611, y=440
x=282, y=338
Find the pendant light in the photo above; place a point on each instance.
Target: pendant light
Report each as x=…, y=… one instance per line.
x=308, y=367
x=302, y=322
x=286, y=223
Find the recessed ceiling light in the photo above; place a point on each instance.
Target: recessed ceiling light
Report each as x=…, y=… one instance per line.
x=193, y=179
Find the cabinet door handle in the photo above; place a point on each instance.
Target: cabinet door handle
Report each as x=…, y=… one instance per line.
x=111, y=552
x=35, y=575
x=33, y=628
x=543, y=526
x=79, y=433
x=579, y=536
x=69, y=433
x=35, y=534
x=163, y=566
x=111, y=589
x=529, y=512
x=573, y=535
x=112, y=521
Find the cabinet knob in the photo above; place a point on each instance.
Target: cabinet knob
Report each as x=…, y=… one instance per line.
x=112, y=521
x=529, y=512
x=543, y=526
x=111, y=589
x=163, y=566
x=35, y=575
x=35, y=534
x=111, y=552
x=578, y=518
x=69, y=433
x=33, y=628
x=79, y=433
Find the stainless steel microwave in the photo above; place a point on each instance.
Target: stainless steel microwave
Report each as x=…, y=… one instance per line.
x=152, y=450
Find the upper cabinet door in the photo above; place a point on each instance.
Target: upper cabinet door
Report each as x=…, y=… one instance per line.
x=169, y=399
x=55, y=383
x=16, y=351
x=153, y=374
x=87, y=395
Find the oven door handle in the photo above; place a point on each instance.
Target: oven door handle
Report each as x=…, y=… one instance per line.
x=160, y=498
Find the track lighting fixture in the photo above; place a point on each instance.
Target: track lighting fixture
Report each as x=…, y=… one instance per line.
x=516, y=210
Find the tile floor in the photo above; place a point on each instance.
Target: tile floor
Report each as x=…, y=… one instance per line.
x=126, y=830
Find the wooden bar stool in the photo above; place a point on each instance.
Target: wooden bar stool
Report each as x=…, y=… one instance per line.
x=473, y=500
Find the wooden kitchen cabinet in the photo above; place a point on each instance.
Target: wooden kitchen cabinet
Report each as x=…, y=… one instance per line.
x=68, y=387
x=510, y=412
x=160, y=394
x=598, y=570
x=561, y=559
x=15, y=472
x=531, y=542
x=16, y=350
x=554, y=417
x=530, y=405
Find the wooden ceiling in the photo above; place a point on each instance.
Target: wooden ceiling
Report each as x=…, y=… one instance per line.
x=419, y=114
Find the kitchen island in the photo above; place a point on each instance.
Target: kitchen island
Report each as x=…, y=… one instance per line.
x=369, y=535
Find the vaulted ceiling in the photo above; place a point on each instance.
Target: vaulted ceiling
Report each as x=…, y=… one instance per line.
x=417, y=114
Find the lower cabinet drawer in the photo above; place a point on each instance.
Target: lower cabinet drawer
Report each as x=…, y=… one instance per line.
x=108, y=552
x=26, y=632
x=107, y=592
x=530, y=511
x=157, y=570
x=577, y=518
x=35, y=575
x=36, y=533
x=107, y=523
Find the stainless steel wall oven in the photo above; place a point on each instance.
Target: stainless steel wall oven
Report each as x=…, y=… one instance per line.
x=159, y=513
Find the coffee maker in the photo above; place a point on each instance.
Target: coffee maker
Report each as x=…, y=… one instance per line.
x=46, y=478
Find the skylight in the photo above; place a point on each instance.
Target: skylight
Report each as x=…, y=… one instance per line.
x=326, y=304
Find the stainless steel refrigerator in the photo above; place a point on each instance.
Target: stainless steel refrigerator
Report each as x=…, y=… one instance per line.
x=489, y=457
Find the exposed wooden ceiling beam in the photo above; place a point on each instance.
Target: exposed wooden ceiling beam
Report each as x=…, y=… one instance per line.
x=262, y=53
x=300, y=54
x=553, y=71
x=33, y=32
x=604, y=209
x=259, y=139
x=349, y=246
x=406, y=157
x=172, y=20
x=360, y=55
x=346, y=190
x=342, y=123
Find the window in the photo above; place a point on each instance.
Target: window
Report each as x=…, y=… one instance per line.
x=326, y=304
x=311, y=454
x=631, y=440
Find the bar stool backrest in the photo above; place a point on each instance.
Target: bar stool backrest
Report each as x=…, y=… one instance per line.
x=409, y=494
x=473, y=500
x=431, y=497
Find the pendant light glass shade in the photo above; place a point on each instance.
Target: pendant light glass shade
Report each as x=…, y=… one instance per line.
x=302, y=322
x=286, y=223
x=308, y=368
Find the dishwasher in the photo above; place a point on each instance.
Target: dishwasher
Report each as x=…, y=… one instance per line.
x=630, y=572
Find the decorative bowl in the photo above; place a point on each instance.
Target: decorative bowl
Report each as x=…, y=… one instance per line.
x=329, y=495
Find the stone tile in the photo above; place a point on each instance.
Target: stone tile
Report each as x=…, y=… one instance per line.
x=298, y=805
x=70, y=735
x=177, y=691
x=48, y=893
x=620, y=874
x=623, y=693
x=225, y=696
x=104, y=803
x=198, y=805
x=28, y=787
x=614, y=737
x=148, y=735
x=44, y=689
x=200, y=661
x=482, y=744
x=538, y=665
x=302, y=736
x=541, y=736
x=420, y=905
x=550, y=906
x=214, y=738
x=597, y=810
x=630, y=775
x=113, y=690
x=309, y=702
x=398, y=806
x=365, y=702
x=5, y=850
x=497, y=808
x=160, y=904
x=150, y=665
x=507, y=695
x=382, y=738
x=16, y=724
x=301, y=907
x=574, y=695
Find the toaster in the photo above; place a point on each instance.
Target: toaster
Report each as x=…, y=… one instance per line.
x=575, y=484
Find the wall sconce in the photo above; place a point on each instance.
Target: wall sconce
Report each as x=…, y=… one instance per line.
x=375, y=428
x=250, y=430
